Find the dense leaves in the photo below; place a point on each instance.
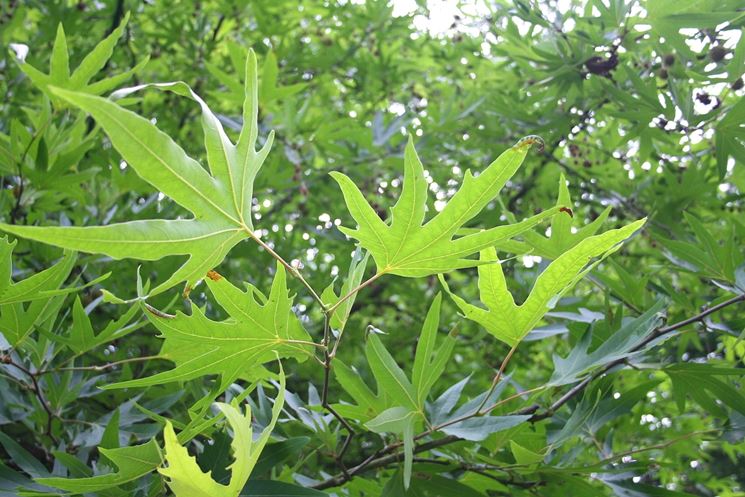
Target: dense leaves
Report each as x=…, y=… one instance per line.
x=384, y=292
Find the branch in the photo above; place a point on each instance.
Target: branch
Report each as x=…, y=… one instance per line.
x=579, y=387
x=381, y=458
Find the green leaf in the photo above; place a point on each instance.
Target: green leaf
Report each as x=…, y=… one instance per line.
x=400, y=420
x=510, y=322
x=479, y=428
x=263, y=488
x=258, y=328
x=41, y=285
x=405, y=247
x=429, y=363
x=368, y=403
x=729, y=137
x=59, y=68
x=41, y=290
x=131, y=463
x=701, y=383
x=562, y=238
x=184, y=476
x=22, y=458
x=354, y=278
x=392, y=381
x=82, y=338
x=277, y=453
x=220, y=202
x=525, y=456
x=619, y=346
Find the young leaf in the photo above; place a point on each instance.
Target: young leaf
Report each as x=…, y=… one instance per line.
x=59, y=68
x=185, y=477
x=393, y=387
x=405, y=247
x=220, y=202
x=400, y=420
x=354, y=277
x=510, y=322
x=429, y=363
x=131, y=463
x=258, y=329
x=391, y=379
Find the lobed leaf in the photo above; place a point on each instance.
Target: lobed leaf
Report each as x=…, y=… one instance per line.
x=257, y=330
x=406, y=247
x=220, y=201
x=510, y=322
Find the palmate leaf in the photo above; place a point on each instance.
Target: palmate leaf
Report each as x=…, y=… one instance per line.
x=82, y=338
x=561, y=238
x=405, y=247
x=59, y=66
x=185, y=477
x=398, y=406
x=259, y=328
x=510, y=322
x=354, y=277
x=621, y=344
x=220, y=201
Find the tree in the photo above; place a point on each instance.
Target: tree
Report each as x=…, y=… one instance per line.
x=341, y=248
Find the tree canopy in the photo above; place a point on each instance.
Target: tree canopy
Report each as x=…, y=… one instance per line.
x=366, y=248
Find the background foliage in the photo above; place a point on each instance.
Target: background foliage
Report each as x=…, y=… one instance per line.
x=631, y=385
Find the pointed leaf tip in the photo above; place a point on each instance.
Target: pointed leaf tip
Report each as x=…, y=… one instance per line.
x=531, y=140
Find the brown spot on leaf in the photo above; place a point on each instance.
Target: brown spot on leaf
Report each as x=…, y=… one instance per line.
x=531, y=140
x=567, y=210
x=214, y=275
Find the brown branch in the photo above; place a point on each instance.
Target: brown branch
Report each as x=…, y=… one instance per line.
x=381, y=458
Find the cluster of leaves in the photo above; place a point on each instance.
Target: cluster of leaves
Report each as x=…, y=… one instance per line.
x=511, y=352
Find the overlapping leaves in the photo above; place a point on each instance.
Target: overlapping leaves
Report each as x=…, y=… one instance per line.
x=563, y=236
x=510, y=322
x=79, y=80
x=398, y=405
x=187, y=479
x=25, y=304
x=259, y=328
x=220, y=200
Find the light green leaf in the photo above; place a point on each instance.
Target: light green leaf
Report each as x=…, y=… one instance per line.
x=131, y=463
x=257, y=329
x=220, y=201
x=405, y=247
x=59, y=66
x=42, y=291
x=354, y=277
x=185, y=477
x=429, y=363
x=562, y=238
x=392, y=381
x=523, y=455
x=510, y=322
x=400, y=420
